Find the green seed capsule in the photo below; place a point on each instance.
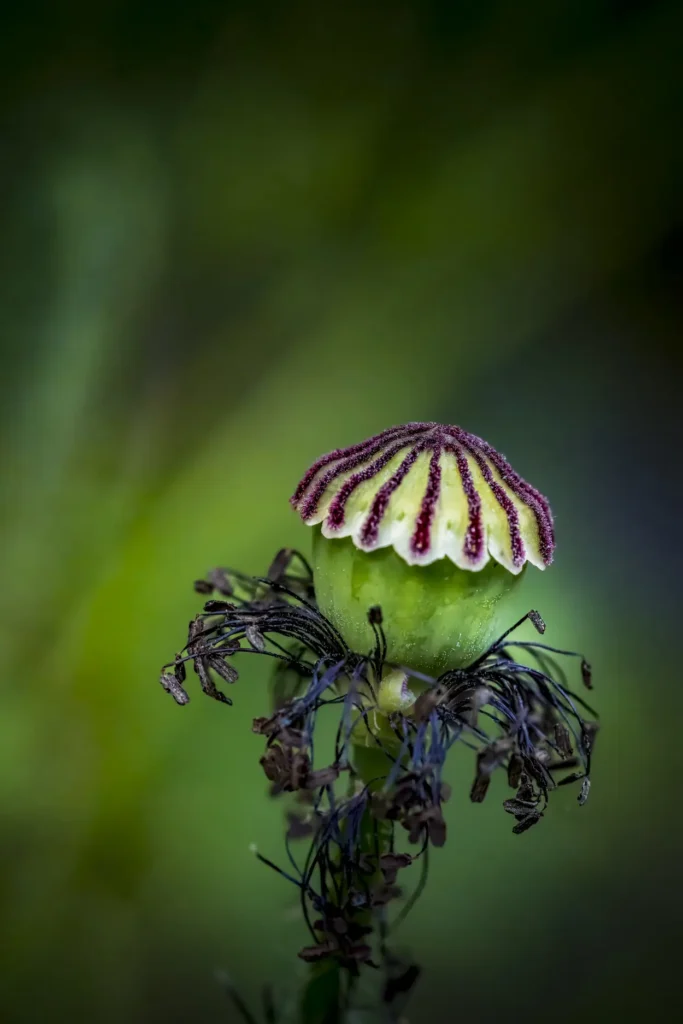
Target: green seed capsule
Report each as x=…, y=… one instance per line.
x=431, y=524
x=436, y=617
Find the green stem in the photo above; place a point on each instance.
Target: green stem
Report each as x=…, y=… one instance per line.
x=321, y=1001
x=371, y=765
x=324, y=998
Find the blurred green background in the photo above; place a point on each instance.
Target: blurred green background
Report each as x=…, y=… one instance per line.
x=236, y=236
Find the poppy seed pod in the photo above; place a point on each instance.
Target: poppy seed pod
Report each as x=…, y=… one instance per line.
x=421, y=533
x=433, y=525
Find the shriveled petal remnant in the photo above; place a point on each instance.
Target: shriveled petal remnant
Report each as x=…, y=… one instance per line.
x=429, y=491
x=368, y=820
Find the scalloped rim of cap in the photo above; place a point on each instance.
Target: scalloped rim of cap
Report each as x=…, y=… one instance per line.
x=430, y=491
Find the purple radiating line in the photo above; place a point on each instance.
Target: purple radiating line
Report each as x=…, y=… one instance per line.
x=531, y=497
x=335, y=514
x=421, y=539
x=527, y=494
x=474, y=535
x=378, y=508
x=507, y=505
x=325, y=460
x=310, y=504
x=340, y=453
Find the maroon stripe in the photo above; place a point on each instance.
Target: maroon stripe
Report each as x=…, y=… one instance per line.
x=309, y=505
x=507, y=505
x=369, y=447
x=473, y=547
x=379, y=506
x=456, y=433
x=335, y=514
x=531, y=497
x=421, y=540
x=339, y=453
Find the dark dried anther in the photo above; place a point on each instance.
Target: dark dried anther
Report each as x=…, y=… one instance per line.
x=588, y=733
x=429, y=820
x=255, y=637
x=311, y=954
x=201, y=667
x=384, y=893
x=488, y=759
x=519, y=808
x=299, y=826
x=220, y=581
x=173, y=686
x=266, y=726
x=537, y=621
x=277, y=571
x=375, y=616
x=391, y=863
x=287, y=770
x=515, y=769
x=215, y=607
x=480, y=787
x=224, y=669
x=527, y=821
x=586, y=674
x=427, y=702
x=512, y=705
x=203, y=587
x=563, y=739
x=322, y=777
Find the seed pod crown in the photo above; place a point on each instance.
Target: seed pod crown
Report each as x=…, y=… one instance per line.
x=430, y=491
